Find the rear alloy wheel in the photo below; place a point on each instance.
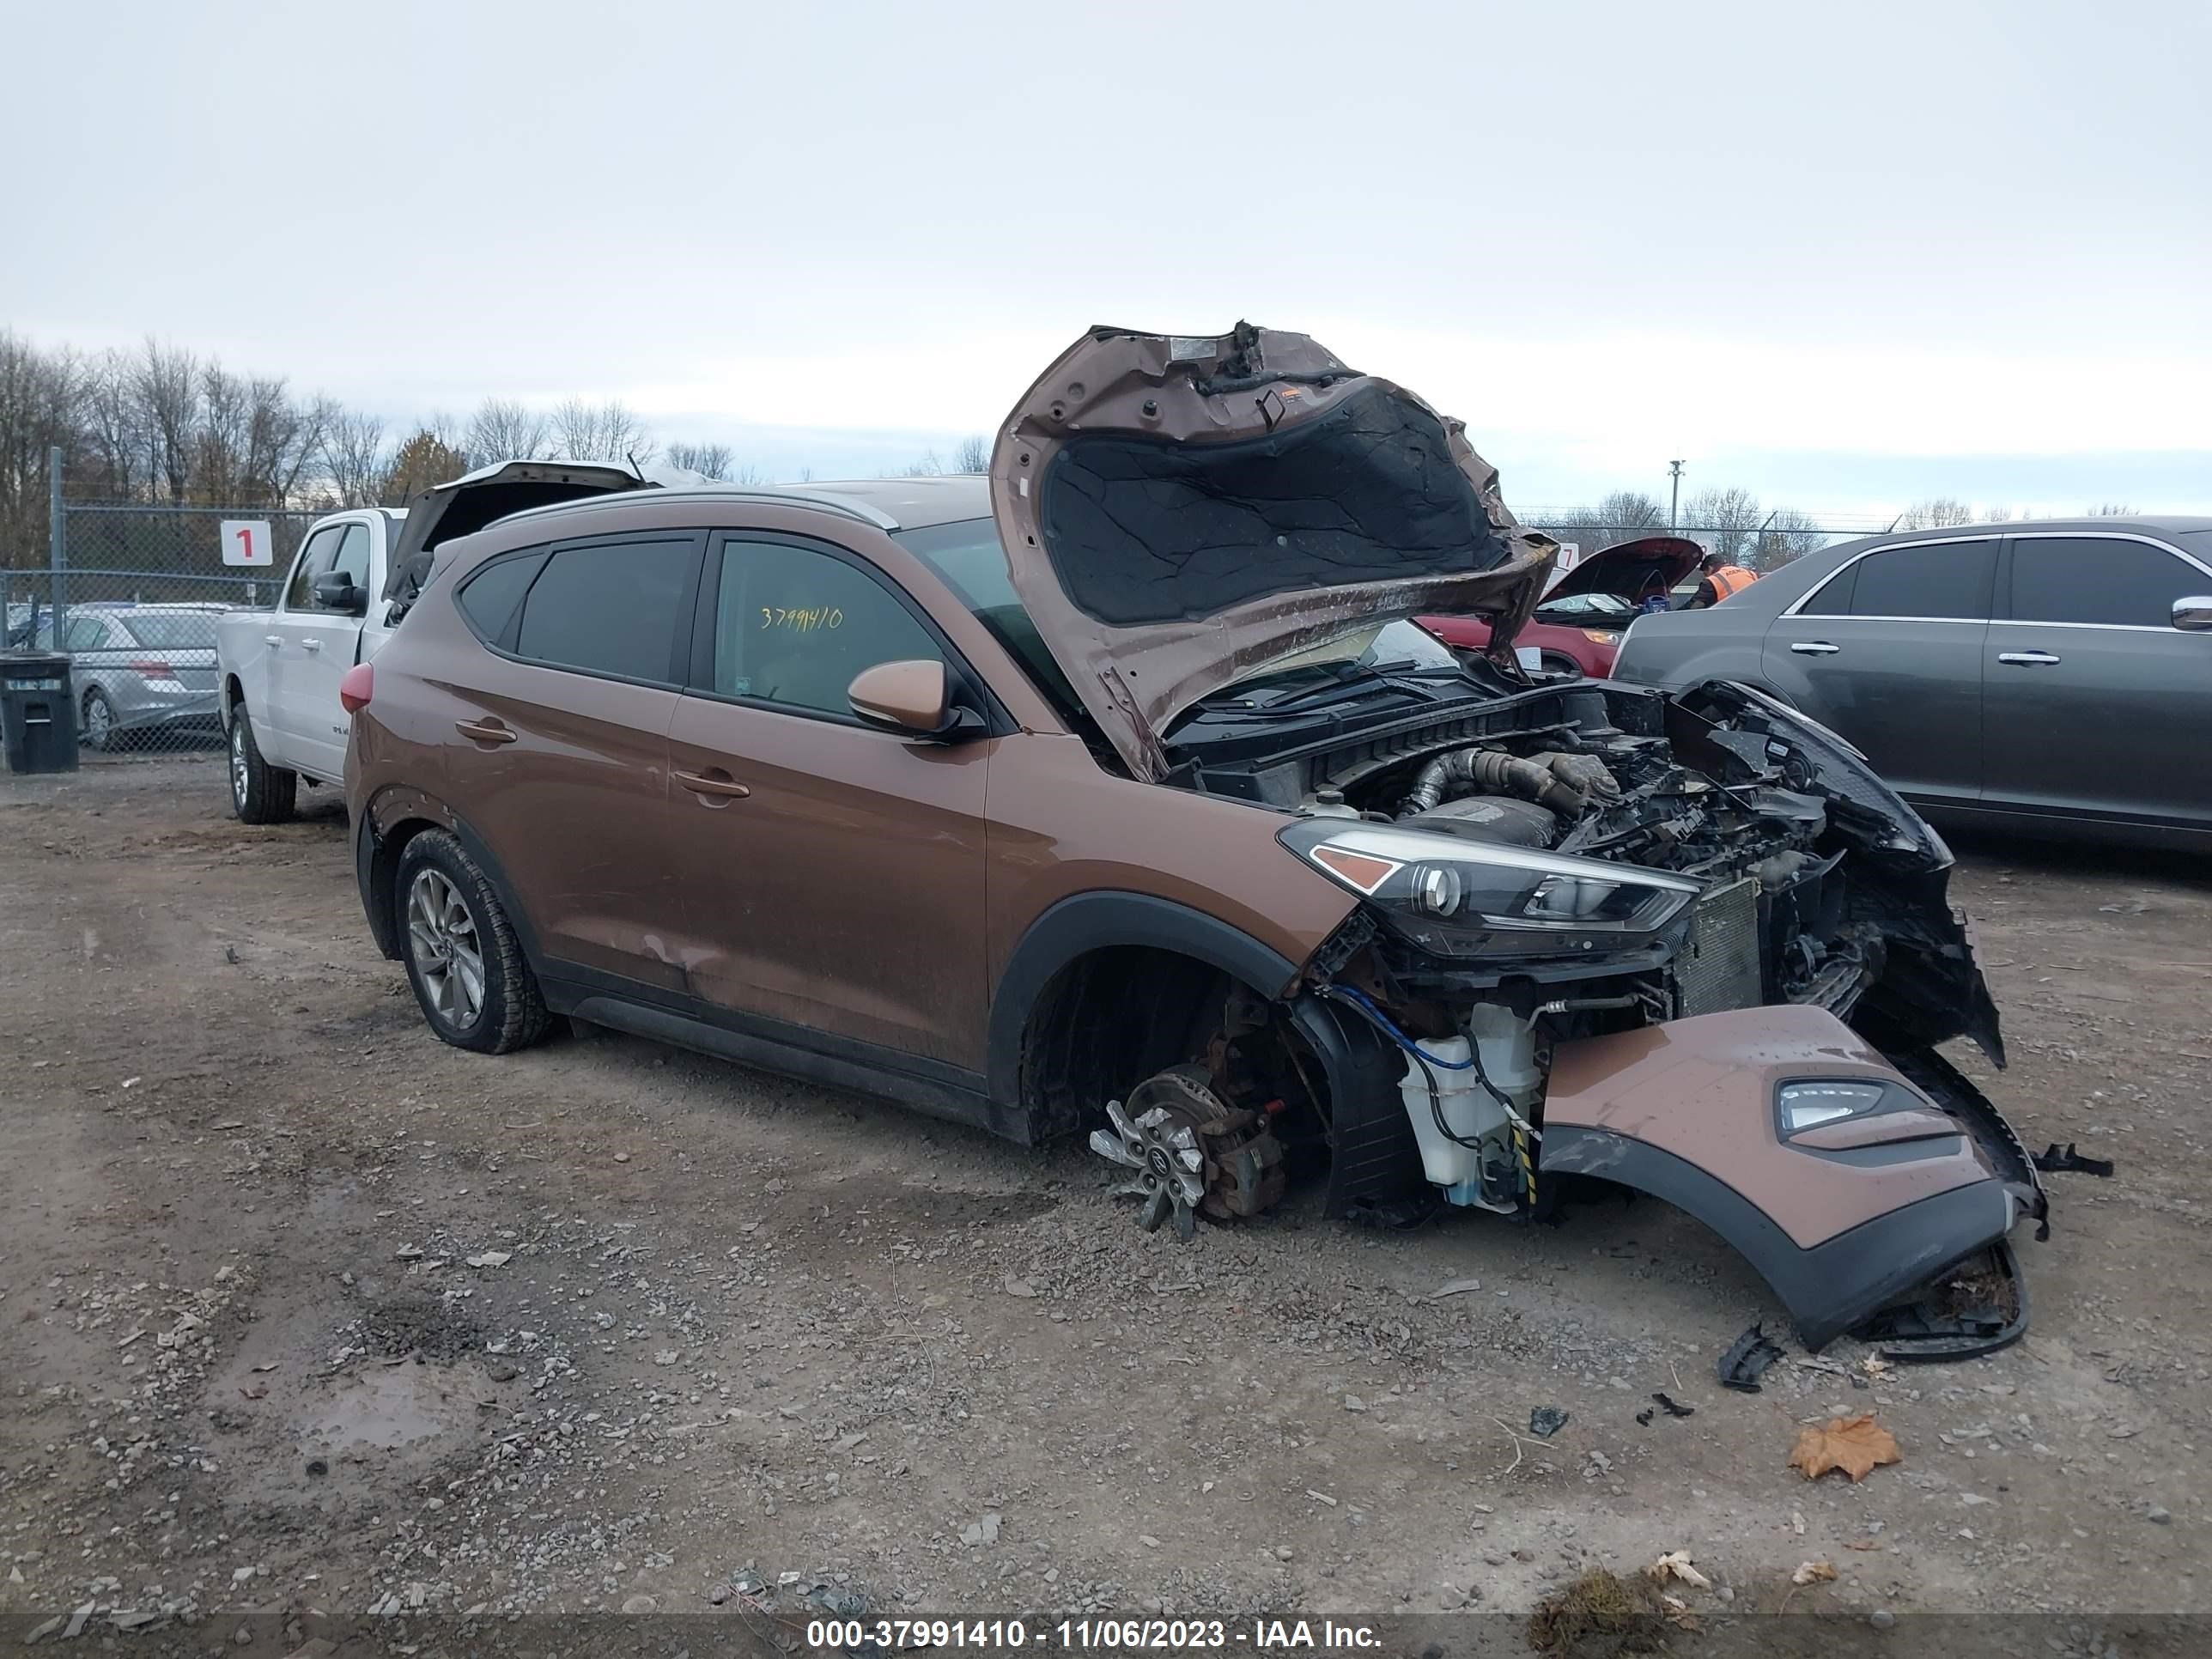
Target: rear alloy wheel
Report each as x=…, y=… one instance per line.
x=260, y=792
x=463, y=957
x=96, y=726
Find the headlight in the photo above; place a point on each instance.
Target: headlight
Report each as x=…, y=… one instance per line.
x=1459, y=897
x=1602, y=637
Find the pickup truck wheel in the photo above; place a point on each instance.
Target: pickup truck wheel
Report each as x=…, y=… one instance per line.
x=463, y=957
x=260, y=792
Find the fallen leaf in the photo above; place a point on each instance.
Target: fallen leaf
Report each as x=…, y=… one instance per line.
x=1853, y=1444
x=1814, y=1572
x=1676, y=1563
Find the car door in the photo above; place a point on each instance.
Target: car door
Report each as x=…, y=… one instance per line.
x=836, y=869
x=1888, y=652
x=320, y=644
x=292, y=634
x=556, y=755
x=2095, y=701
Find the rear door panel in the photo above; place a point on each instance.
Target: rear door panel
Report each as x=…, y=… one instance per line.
x=1863, y=655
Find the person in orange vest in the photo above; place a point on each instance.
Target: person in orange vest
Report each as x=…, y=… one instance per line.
x=1721, y=579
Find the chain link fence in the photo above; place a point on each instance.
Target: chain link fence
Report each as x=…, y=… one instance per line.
x=130, y=594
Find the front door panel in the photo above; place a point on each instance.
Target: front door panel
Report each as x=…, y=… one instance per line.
x=843, y=890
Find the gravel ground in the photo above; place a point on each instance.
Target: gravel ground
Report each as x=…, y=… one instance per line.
x=305, y=1312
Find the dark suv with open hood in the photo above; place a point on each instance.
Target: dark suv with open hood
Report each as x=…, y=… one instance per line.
x=1119, y=793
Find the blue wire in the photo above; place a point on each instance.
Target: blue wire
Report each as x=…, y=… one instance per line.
x=1359, y=999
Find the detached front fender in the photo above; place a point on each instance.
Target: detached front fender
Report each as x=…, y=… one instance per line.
x=1844, y=1220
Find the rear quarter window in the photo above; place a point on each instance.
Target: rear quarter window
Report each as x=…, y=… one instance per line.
x=491, y=596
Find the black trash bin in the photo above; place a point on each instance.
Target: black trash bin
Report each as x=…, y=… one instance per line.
x=38, y=714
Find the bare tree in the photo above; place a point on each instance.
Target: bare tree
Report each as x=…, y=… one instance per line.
x=115, y=429
x=1620, y=516
x=1724, y=520
x=1939, y=513
x=167, y=382
x=707, y=460
x=2111, y=510
x=39, y=394
x=586, y=431
x=354, y=458
x=974, y=455
x=928, y=467
x=503, y=430
x=1785, y=535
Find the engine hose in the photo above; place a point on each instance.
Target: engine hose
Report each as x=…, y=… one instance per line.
x=1493, y=771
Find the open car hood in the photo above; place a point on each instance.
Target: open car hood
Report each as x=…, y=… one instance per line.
x=465, y=505
x=1178, y=512
x=1626, y=570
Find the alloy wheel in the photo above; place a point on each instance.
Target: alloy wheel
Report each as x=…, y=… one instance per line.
x=442, y=939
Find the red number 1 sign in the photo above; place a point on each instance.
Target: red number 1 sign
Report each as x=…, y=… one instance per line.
x=247, y=542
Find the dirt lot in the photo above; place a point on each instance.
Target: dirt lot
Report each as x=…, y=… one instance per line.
x=303, y=1310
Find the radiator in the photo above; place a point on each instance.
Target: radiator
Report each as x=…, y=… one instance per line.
x=1720, y=968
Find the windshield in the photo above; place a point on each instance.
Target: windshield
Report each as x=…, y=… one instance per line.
x=1586, y=605
x=1401, y=645
x=967, y=557
x=186, y=630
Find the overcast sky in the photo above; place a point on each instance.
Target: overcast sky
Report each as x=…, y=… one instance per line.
x=1843, y=256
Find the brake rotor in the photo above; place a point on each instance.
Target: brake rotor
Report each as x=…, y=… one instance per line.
x=1189, y=1154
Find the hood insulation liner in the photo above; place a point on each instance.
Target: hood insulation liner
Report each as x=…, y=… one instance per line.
x=1144, y=530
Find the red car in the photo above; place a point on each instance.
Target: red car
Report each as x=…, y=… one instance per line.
x=1579, y=626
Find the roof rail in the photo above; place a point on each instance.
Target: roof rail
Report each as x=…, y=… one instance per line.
x=828, y=500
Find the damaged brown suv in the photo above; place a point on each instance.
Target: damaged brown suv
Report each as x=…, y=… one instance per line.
x=1119, y=793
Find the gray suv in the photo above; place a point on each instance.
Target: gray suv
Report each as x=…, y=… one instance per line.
x=2052, y=677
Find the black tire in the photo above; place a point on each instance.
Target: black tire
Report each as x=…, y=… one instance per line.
x=509, y=1012
x=95, y=721
x=260, y=792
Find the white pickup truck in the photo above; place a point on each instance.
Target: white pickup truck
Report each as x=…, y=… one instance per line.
x=351, y=581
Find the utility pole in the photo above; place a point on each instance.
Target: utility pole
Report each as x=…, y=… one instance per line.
x=1675, y=501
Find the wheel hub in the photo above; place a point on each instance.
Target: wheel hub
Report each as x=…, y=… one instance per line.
x=1187, y=1152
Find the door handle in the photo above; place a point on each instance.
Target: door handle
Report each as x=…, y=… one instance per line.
x=1815, y=648
x=272, y=639
x=2027, y=659
x=718, y=787
x=484, y=732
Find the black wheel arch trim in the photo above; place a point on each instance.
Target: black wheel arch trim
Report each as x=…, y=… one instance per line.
x=1102, y=920
x=374, y=858
x=1836, y=1285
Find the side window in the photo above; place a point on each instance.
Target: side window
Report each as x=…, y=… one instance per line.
x=614, y=608
x=314, y=559
x=1943, y=580
x=488, y=598
x=85, y=635
x=1834, y=596
x=351, y=560
x=793, y=626
x=2092, y=579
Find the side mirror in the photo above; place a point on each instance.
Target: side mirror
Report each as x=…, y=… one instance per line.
x=2194, y=614
x=914, y=699
x=334, y=591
